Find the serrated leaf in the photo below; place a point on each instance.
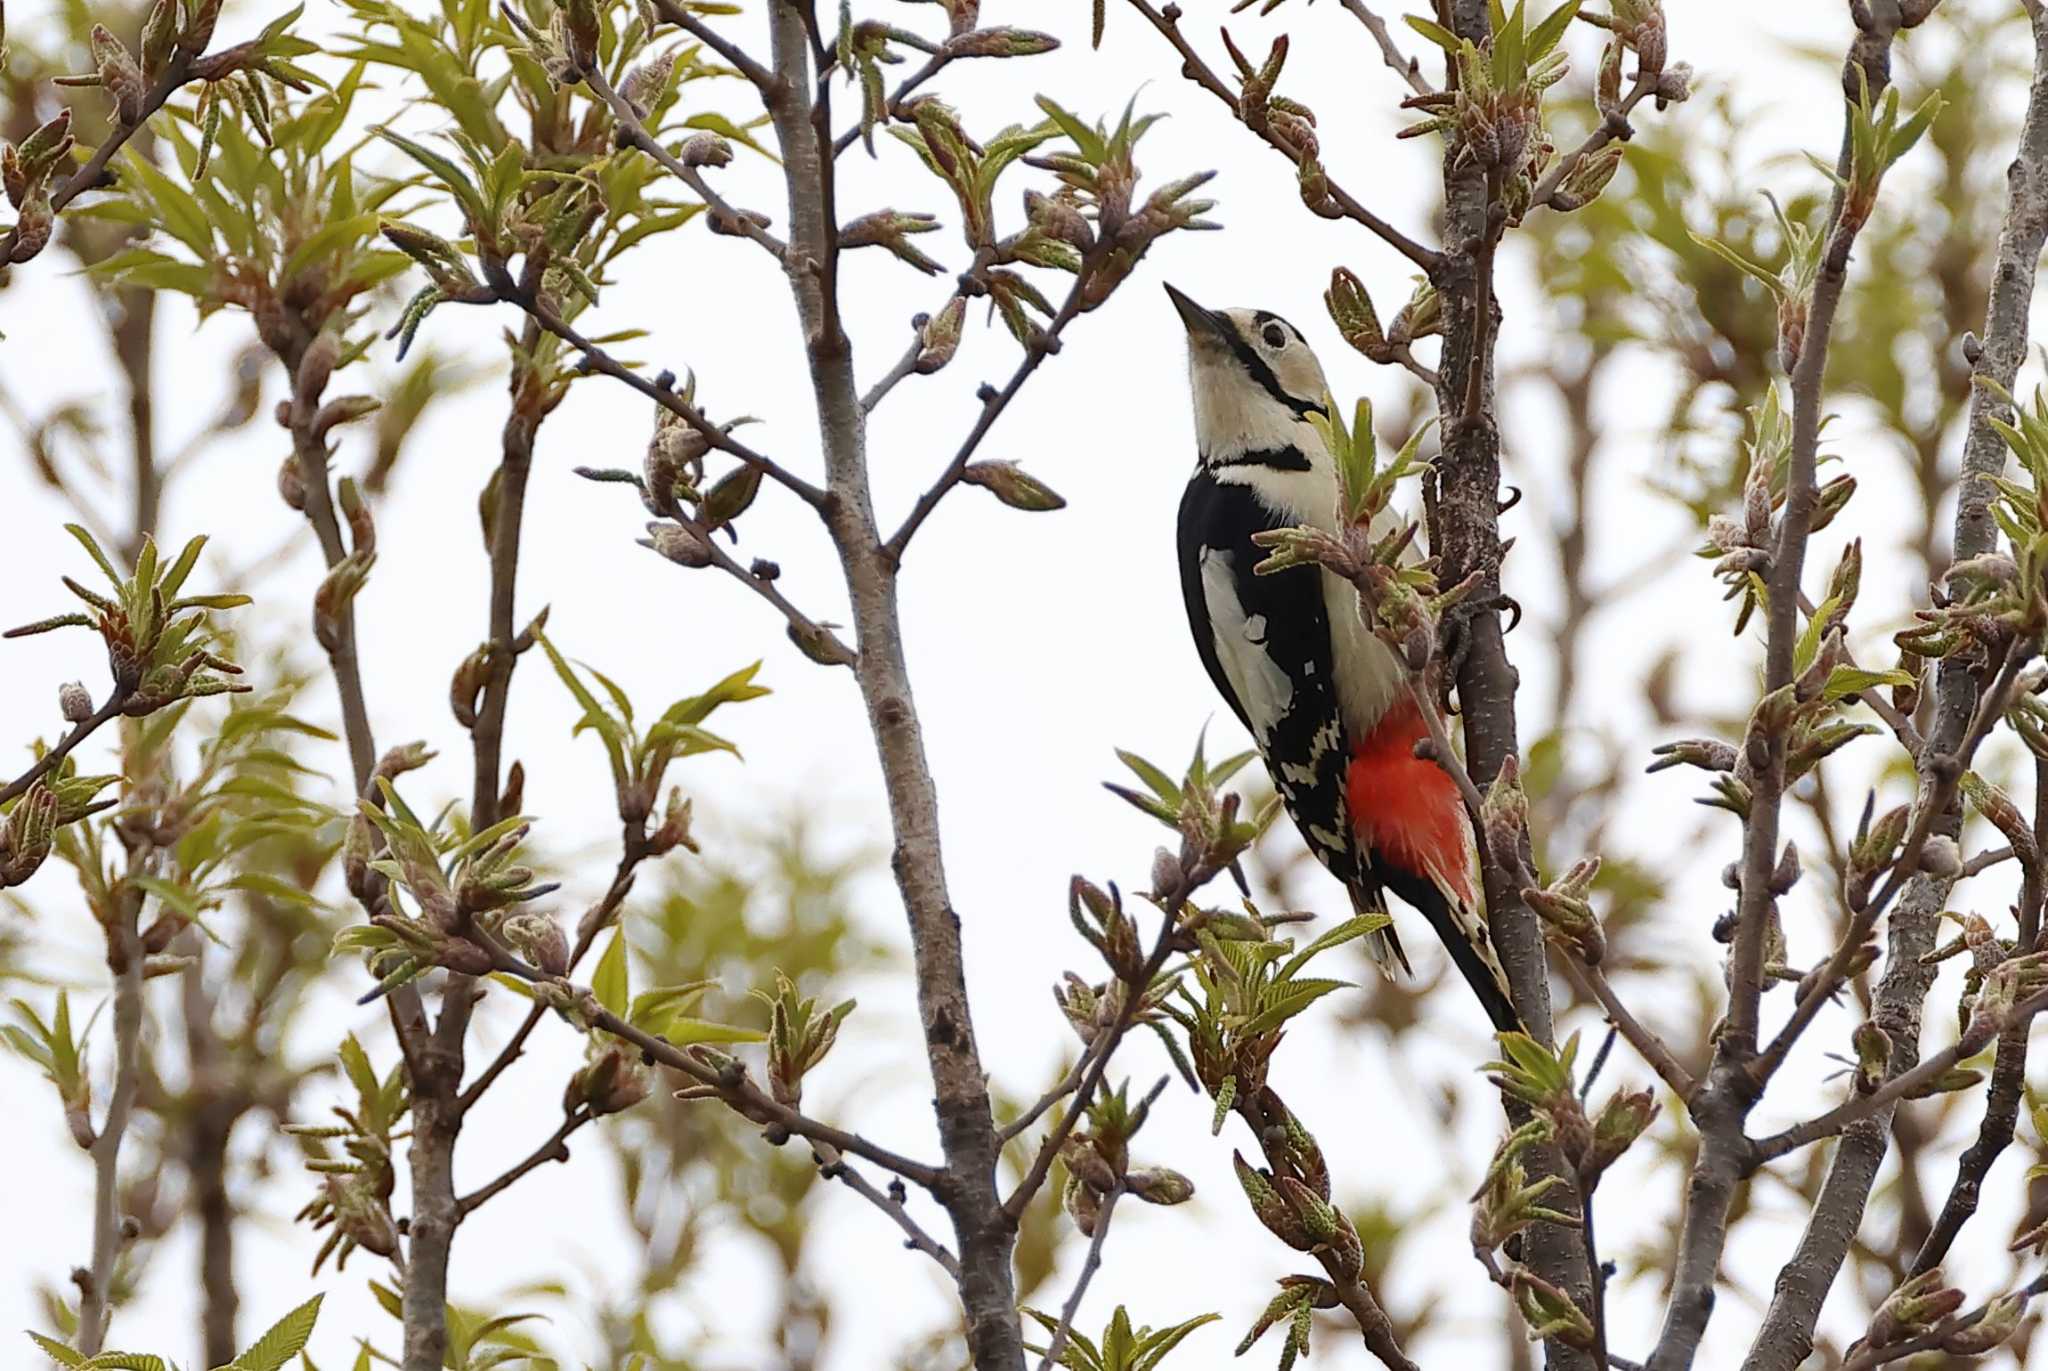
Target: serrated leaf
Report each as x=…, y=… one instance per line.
x=56, y=1351
x=284, y=1340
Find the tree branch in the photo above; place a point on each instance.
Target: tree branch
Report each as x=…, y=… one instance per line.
x=767, y=82
x=600, y=360
x=1057, y=1346
x=82, y=730
x=1870, y=1358
x=637, y=134
x=125, y=958
x=1731, y=1086
x=832, y=1166
x=967, y=1133
x=933, y=65
x=93, y=174
x=1898, y=1087
x=555, y=1149
x=1167, y=21
x=633, y=852
x=1407, y=68
x=993, y=404
x=1592, y=981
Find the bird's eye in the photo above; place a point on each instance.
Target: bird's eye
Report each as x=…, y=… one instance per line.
x=1275, y=336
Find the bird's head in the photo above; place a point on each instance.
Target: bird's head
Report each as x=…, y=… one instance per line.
x=1255, y=380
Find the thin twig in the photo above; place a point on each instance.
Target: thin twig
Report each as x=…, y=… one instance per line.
x=1066, y=1087
x=633, y=851
x=1042, y=346
x=1898, y=1087
x=1928, y=809
x=636, y=133
x=93, y=174
x=729, y=1083
x=555, y=1149
x=767, y=82
x=84, y=729
x=1869, y=1358
x=1598, y=1312
x=96, y=1308
x=600, y=360
x=832, y=1166
x=1171, y=903
x=1984, y=861
x=1611, y=127
x=1093, y=1263
x=905, y=366
x=1406, y=67
x=1198, y=71
x=1592, y=980
x=935, y=64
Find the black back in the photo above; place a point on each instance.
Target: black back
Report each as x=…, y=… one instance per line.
x=1219, y=518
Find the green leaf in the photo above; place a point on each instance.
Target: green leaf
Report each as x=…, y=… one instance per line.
x=1845, y=681
x=355, y=1062
x=610, y=981
x=1769, y=279
x=594, y=717
x=684, y=1030
x=1550, y=32
x=1357, y=927
x=1286, y=1003
x=57, y=1351
x=92, y=546
x=178, y=212
x=512, y=983
x=1808, y=646
x=1436, y=33
x=450, y=174
x=1157, y=781
x=284, y=1340
x=650, y=1006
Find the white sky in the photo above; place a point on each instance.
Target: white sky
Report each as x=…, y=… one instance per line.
x=1037, y=644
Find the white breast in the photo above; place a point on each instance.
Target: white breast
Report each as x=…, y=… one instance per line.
x=1369, y=678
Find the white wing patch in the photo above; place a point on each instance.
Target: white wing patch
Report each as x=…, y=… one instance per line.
x=1261, y=686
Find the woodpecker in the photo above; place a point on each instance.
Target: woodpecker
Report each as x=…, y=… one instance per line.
x=1326, y=701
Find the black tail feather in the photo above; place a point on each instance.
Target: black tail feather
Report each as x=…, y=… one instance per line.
x=1475, y=966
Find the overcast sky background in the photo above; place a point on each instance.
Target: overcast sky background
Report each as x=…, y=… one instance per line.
x=1037, y=644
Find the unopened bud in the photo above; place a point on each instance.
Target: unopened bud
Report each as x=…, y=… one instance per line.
x=1351, y=311
x=939, y=337
x=1159, y=1185
x=1674, y=84
x=1915, y=1306
x=2001, y=1320
x=1626, y=1116
x=680, y=545
x=75, y=701
x=705, y=150
x=1505, y=813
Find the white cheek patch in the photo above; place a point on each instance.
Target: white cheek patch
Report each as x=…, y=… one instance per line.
x=1260, y=685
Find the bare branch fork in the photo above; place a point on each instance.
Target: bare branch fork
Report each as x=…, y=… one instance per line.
x=1167, y=21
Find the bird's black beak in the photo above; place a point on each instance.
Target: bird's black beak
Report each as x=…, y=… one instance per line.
x=1202, y=325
